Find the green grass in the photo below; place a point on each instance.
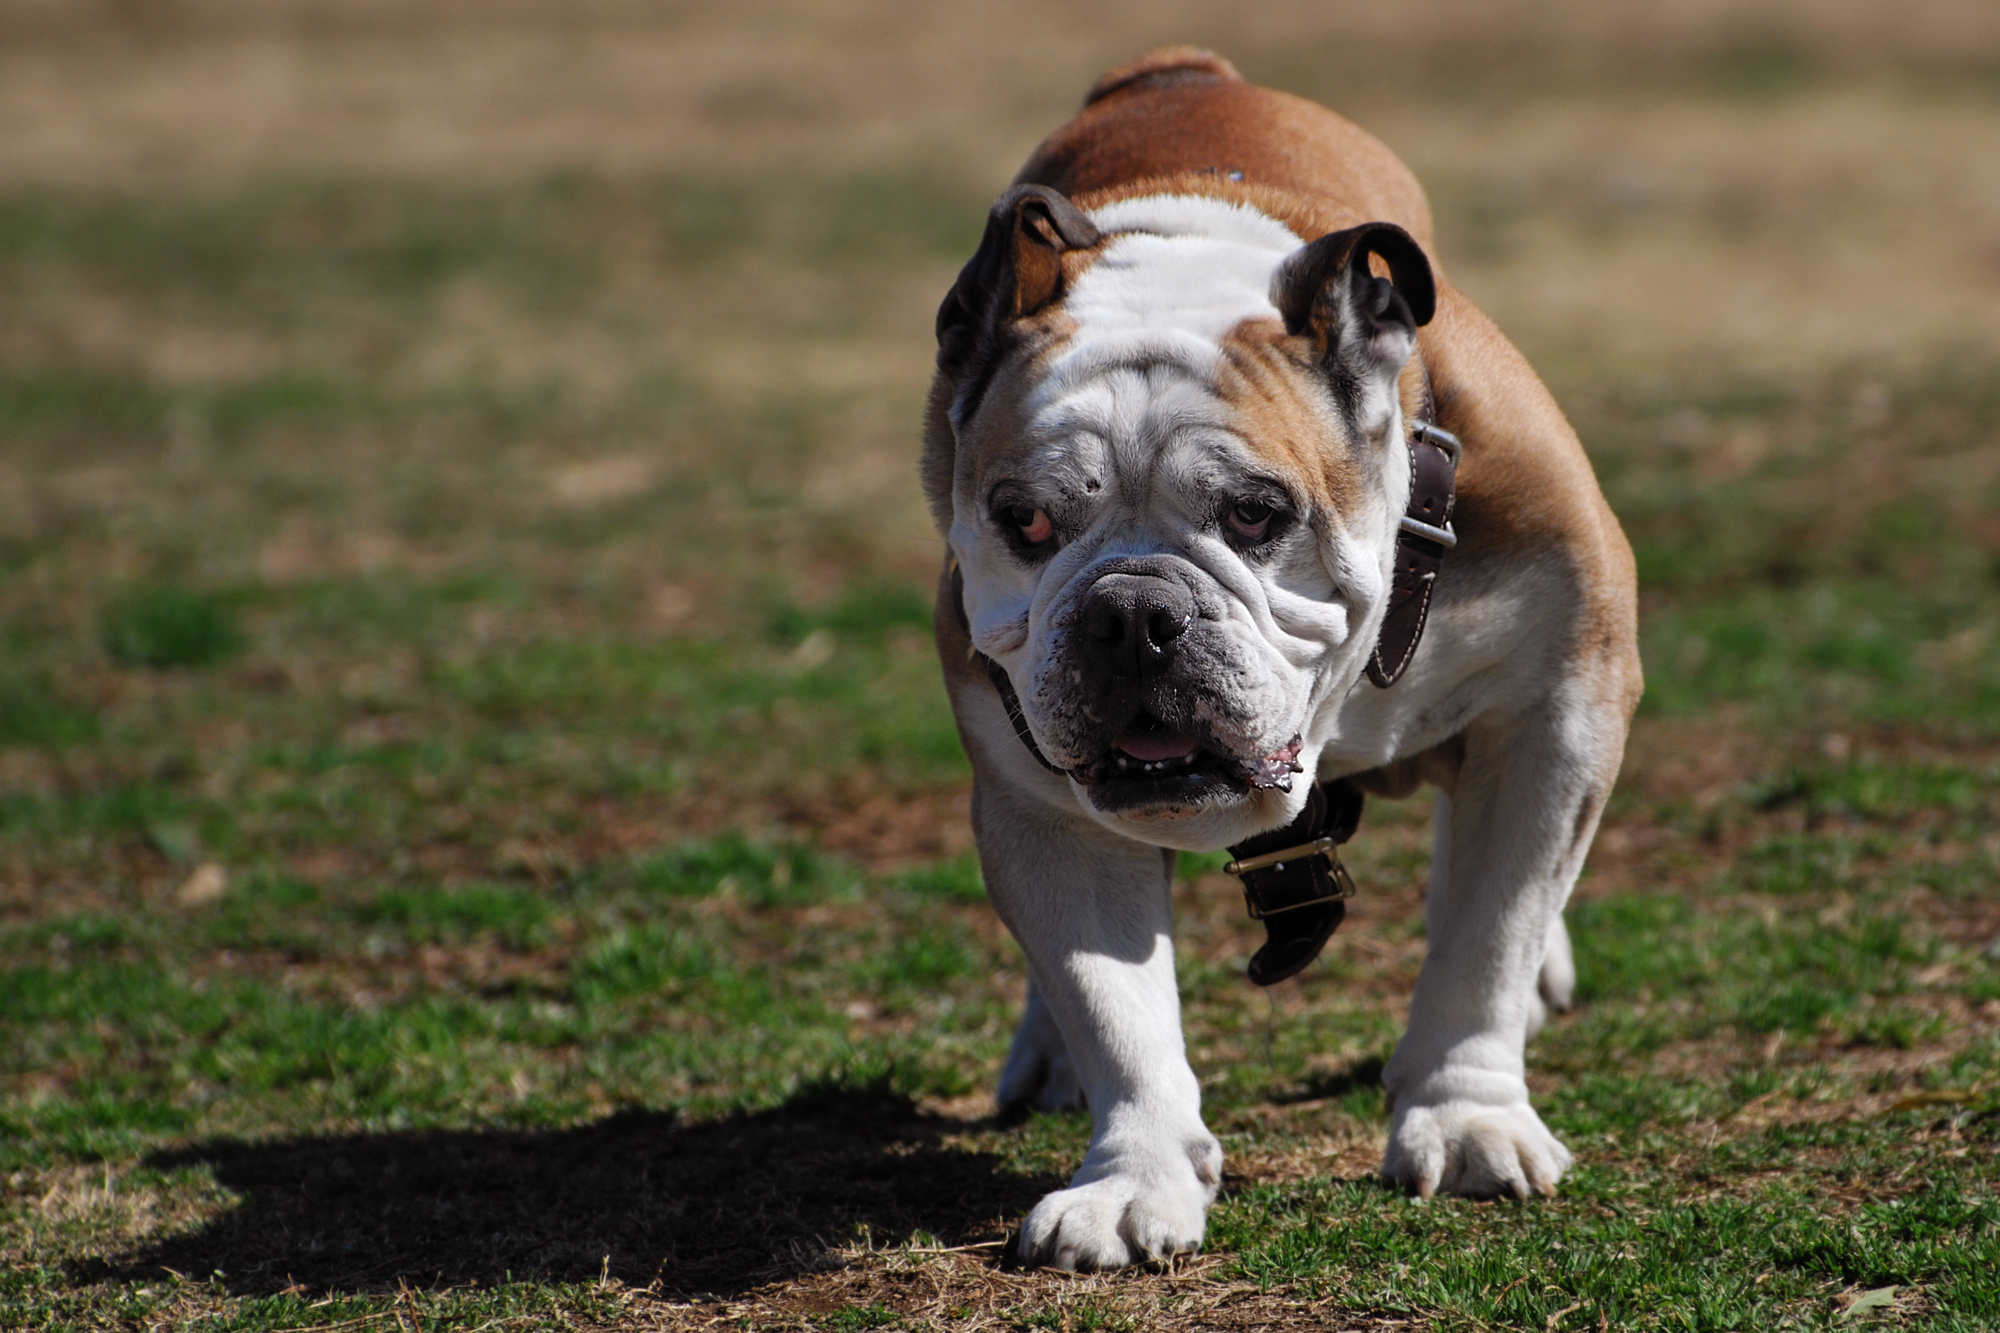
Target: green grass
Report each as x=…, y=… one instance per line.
x=596, y=942
x=169, y=627
x=1627, y=1246
x=35, y=713
x=689, y=982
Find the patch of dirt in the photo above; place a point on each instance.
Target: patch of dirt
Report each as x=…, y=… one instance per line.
x=884, y=831
x=972, y=1291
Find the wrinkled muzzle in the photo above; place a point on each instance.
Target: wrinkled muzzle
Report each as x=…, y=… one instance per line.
x=1144, y=695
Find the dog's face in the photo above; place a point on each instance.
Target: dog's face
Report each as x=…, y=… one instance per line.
x=1174, y=474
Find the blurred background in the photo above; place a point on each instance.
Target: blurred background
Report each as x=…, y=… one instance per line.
x=510, y=407
x=464, y=648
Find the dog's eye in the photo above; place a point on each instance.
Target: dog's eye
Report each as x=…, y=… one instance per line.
x=1251, y=520
x=1033, y=523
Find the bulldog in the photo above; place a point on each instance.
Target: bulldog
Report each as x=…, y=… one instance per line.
x=1250, y=512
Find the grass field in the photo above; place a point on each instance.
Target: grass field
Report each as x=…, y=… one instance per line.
x=482, y=843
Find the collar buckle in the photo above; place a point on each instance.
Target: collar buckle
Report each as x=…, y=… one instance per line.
x=1318, y=846
x=1443, y=536
x=1423, y=534
x=1439, y=436
x=1340, y=885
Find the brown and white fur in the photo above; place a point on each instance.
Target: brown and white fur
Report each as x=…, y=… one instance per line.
x=1167, y=447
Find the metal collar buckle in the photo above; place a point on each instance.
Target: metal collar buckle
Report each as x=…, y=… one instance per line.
x=1343, y=883
x=1448, y=445
x=1317, y=847
x=1440, y=437
x=1443, y=536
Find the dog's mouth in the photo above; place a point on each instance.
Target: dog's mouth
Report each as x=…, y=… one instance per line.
x=1153, y=764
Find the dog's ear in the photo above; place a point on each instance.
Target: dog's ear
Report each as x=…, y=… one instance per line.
x=1365, y=326
x=1016, y=272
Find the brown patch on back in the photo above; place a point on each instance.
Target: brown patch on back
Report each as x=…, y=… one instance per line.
x=1168, y=67
x=1297, y=159
x=1279, y=401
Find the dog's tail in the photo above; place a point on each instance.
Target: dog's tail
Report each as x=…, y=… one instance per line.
x=1168, y=67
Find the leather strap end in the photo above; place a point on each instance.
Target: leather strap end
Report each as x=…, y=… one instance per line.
x=1286, y=954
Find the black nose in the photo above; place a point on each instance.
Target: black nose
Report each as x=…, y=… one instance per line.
x=1133, y=622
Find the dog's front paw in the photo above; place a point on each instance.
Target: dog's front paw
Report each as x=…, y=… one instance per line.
x=1473, y=1149
x=1125, y=1217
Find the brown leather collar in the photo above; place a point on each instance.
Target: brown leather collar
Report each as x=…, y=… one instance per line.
x=1424, y=535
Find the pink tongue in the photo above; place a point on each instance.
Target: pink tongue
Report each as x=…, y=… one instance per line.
x=1153, y=746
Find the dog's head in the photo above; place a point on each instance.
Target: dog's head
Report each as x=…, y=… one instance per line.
x=1167, y=450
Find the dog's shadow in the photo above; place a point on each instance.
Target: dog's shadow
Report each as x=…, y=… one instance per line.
x=713, y=1208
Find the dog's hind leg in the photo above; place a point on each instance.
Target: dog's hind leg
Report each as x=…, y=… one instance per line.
x=1556, y=981
x=1557, y=986
x=1038, y=1074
